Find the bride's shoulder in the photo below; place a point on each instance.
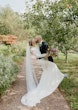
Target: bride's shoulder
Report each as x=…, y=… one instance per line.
x=33, y=48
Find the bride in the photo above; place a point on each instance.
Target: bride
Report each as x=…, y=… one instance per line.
x=50, y=79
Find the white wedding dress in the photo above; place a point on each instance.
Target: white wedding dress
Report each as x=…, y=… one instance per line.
x=50, y=79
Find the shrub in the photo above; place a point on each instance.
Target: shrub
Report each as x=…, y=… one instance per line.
x=5, y=50
x=13, y=50
x=16, y=52
x=21, y=48
x=8, y=72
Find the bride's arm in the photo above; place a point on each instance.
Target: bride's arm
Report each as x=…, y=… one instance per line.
x=41, y=55
x=37, y=55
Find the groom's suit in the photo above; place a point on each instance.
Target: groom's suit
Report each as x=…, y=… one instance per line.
x=43, y=49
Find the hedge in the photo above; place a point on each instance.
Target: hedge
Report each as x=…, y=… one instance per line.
x=8, y=72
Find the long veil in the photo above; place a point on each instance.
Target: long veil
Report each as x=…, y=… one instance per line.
x=31, y=79
x=50, y=79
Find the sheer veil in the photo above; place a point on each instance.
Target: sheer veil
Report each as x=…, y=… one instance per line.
x=31, y=80
x=50, y=79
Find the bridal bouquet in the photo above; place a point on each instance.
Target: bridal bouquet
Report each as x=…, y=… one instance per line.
x=52, y=52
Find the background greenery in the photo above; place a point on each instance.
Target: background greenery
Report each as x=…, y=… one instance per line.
x=11, y=57
x=58, y=24
x=8, y=72
x=69, y=86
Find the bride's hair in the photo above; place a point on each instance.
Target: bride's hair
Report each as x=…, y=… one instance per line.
x=30, y=42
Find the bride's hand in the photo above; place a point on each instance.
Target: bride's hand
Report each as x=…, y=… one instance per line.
x=46, y=55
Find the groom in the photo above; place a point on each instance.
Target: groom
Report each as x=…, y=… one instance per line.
x=43, y=46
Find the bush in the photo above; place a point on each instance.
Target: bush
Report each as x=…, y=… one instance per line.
x=16, y=52
x=13, y=50
x=8, y=72
x=9, y=54
x=20, y=48
x=17, y=59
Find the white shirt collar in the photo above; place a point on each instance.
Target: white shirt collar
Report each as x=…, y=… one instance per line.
x=41, y=42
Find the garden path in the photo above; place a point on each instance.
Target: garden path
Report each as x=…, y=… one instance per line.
x=12, y=100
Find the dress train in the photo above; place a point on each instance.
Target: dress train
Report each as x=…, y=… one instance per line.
x=50, y=79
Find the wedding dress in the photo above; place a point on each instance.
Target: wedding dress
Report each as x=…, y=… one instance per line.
x=50, y=79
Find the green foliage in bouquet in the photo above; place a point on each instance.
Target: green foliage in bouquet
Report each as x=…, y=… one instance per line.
x=8, y=72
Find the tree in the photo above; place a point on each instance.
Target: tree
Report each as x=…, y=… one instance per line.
x=68, y=26
x=57, y=22
x=12, y=23
x=4, y=29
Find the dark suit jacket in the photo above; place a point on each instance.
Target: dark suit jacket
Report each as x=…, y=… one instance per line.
x=43, y=47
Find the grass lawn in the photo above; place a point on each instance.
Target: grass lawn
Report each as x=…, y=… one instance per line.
x=69, y=86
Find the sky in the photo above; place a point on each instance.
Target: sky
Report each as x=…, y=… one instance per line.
x=16, y=5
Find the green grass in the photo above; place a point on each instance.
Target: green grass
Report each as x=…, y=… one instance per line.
x=69, y=86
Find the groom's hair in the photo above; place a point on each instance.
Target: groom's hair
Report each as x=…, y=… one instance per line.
x=38, y=38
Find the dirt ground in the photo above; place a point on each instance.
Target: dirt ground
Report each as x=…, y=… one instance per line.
x=12, y=100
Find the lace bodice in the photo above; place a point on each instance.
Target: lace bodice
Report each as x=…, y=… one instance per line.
x=35, y=53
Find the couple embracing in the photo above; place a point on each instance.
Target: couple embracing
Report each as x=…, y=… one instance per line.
x=51, y=76
x=41, y=48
